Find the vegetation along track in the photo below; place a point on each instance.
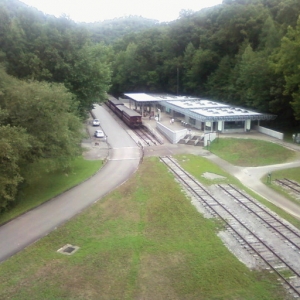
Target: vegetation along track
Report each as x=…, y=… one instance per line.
x=148, y=139
x=275, y=245
x=290, y=185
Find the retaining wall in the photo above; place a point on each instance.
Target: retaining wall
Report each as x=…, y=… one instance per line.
x=270, y=132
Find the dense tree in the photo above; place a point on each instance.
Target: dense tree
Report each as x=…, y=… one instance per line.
x=14, y=145
x=40, y=47
x=90, y=74
x=224, y=52
x=288, y=63
x=38, y=121
x=110, y=31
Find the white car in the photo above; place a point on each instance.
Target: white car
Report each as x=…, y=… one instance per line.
x=96, y=122
x=99, y=134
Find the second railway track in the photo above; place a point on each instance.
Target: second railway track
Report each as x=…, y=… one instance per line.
x=265, y=236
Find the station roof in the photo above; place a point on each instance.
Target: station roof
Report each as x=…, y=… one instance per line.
x=200, y=109
x=143, y=97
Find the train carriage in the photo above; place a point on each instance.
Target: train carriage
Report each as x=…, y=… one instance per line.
x=118, y=109
x=131, y=118
x=113, y=103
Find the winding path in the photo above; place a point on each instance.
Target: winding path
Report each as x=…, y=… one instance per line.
x=123, y=160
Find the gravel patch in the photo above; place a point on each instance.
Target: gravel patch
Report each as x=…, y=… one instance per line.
x=212, y=176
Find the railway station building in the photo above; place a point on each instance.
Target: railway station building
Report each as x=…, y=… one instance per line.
x=205, y=115
x=196, y=113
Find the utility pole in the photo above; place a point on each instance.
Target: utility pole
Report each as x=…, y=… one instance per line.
x=177, y=80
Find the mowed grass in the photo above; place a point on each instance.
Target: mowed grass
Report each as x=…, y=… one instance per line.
x=250, y=152
x=143, y=241
x=42, y=186
x=291, y=174
x=197, y=166
x=253, y=153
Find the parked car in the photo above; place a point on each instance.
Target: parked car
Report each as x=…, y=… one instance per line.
x=99, y=134
x=96, y=122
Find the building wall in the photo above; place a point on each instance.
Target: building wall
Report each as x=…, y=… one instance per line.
x=270, y=132
x=173, y=136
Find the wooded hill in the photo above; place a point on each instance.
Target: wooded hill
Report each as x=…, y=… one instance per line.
x=244, y=52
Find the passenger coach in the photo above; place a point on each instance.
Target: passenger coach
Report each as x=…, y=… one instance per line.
x=129, y=116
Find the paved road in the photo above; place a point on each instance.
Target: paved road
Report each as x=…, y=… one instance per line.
x=123, y=160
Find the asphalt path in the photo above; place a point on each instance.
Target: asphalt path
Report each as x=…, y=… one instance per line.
x=251, y=178
x=123, y=160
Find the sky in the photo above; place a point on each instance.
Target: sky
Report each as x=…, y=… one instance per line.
x=99, y=10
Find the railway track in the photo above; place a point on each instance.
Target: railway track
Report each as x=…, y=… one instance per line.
x=290, y=185
x=284, y=263
x=288, y=233
x=147, y=138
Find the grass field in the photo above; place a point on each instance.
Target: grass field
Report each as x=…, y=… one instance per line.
x=42, y=186
x=253, y=153
x=250, y=152
x=291, y=174
x=143, y=241
x=196, y=166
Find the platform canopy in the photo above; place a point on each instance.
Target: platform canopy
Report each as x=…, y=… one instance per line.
x=143, y=97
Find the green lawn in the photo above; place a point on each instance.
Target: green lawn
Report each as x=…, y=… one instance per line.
x=143, y=241
x=42, y=186
x=250, y=152
x=291, y=174
x=197, y=165
x=253, y=153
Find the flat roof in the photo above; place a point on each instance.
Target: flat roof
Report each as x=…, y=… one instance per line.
x=200, y=109
x=197, y=103
x=143, y=97
x=228, y=113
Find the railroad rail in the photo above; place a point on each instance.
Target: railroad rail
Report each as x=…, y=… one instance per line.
x=289, y=234
x=246, y=236
x=147, y=137
x=294, y=186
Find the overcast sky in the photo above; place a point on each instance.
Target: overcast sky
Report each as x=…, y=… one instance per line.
x=99, y=10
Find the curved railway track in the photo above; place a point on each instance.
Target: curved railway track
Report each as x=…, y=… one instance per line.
x=256, y=243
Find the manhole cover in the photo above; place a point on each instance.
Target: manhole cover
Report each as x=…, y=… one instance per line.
x=68, y=249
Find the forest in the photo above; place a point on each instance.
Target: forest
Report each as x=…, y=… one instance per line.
x=242, y=52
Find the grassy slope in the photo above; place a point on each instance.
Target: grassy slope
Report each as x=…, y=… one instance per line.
x=45, y=186
x=250, y=152
x=143, y=241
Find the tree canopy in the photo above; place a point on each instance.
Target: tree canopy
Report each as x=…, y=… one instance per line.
x=38, y=121
x=244, y=52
